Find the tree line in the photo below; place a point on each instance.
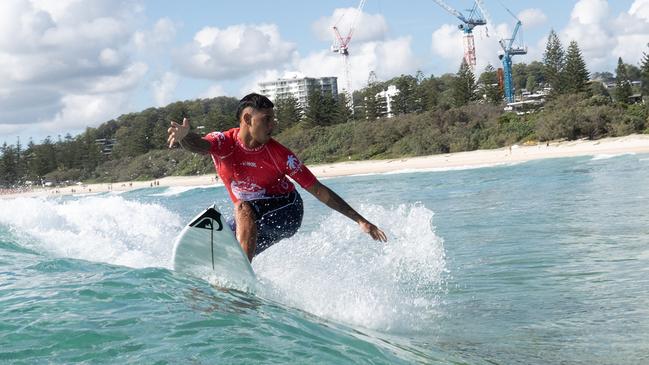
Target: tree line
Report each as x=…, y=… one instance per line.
x=449, y=113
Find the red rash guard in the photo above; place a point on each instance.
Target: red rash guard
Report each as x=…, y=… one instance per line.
x=251, y=174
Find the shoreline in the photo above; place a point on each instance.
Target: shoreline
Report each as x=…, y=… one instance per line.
x=635, y=143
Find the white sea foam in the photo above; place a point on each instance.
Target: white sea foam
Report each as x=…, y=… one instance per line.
x=607, y=156
x=337, y=272
x=106, y=229
x=453, y=168
x=177, y=190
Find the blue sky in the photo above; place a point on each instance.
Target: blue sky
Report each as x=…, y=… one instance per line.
x=69, y=64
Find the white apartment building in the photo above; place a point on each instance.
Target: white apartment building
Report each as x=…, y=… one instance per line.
x=385, y=99
x=298, y=87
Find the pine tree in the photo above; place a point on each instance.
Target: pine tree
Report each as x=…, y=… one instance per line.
x=428, y=93
x=530, y=84
x=343, y=111
x=463, y=85
x=370, y=105
x=519, y=77
x=287, y=112
x=575, y=73
x=644, y=73
x=405, y=101
x=489, y=82
x=553, y=62
x=8, y=166
x=20, y=160
x=622, y=84
x=312, y=110
x=320, y=108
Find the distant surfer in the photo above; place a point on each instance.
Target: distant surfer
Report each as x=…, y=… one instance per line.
x=254, y=169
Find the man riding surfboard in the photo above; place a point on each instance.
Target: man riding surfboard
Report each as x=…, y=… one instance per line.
x=254, y=168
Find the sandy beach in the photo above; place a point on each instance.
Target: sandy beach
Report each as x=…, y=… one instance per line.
x=506, y=155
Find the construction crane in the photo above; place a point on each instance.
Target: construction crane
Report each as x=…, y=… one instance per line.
x=485, y=15
x=509, y=50
x=341, y=46
x=469, y=22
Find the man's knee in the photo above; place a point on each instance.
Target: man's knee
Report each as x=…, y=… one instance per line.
x=244, y=210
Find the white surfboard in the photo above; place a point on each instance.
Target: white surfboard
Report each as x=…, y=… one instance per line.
x=207, y=248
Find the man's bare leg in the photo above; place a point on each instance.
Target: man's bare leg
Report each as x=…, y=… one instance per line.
x=244, y=216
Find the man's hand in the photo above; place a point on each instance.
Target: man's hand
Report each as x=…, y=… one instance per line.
x=177, y=132
x=373, y=231
x=333, y=201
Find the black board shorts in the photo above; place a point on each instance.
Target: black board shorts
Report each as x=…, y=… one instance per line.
x=276, y=218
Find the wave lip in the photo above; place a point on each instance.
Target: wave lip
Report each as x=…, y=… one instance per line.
x=107, y=229
x=177, y=190
x=605, y=156
x=338, y=273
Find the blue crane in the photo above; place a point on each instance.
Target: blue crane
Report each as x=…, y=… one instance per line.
x=510, y=50
x=469, y=22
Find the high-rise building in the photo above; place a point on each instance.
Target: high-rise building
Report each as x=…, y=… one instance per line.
x=385, y=99
x=298, y=87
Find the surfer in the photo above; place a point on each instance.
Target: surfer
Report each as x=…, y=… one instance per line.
x=254, y=168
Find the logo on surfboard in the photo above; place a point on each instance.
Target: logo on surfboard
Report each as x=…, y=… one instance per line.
x=205, y=220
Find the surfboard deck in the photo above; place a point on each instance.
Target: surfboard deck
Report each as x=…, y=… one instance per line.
x=207, y=248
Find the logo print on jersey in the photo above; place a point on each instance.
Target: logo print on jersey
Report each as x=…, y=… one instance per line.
x=245, y=190
x=218, y=136
x=293, y=163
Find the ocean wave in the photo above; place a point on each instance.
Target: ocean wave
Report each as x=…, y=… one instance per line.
x=605, y=156
x=108, y=229
x=177, y=190
x=336, y=272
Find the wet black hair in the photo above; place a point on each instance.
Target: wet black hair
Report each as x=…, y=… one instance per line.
x=256, y=101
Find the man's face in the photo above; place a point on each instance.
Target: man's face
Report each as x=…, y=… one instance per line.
x=262, y=124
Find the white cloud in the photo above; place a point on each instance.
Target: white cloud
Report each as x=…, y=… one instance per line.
x=164, y=88
x=23, y=105
x=603, y=37
x=10, y=130
x=80, y=111
x=66, y=63
x=251, y=83
x=447, y=43
x=125, y=81
x=387, y=59
x=367, y=27
x=162, y=33
x=213, y=91
x=531, y=18
x=590, y=11
x=230, y=53
x=640, y=9
x=110, y=57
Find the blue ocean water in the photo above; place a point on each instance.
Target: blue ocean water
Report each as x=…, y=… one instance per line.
x=543, y=262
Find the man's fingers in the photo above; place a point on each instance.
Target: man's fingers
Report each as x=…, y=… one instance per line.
x=378, y=235
x=374, y=232
x=383, y=237
x=174, y=130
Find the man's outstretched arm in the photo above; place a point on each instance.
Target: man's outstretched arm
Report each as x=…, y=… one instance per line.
x=179, y=133
x=335, y=202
